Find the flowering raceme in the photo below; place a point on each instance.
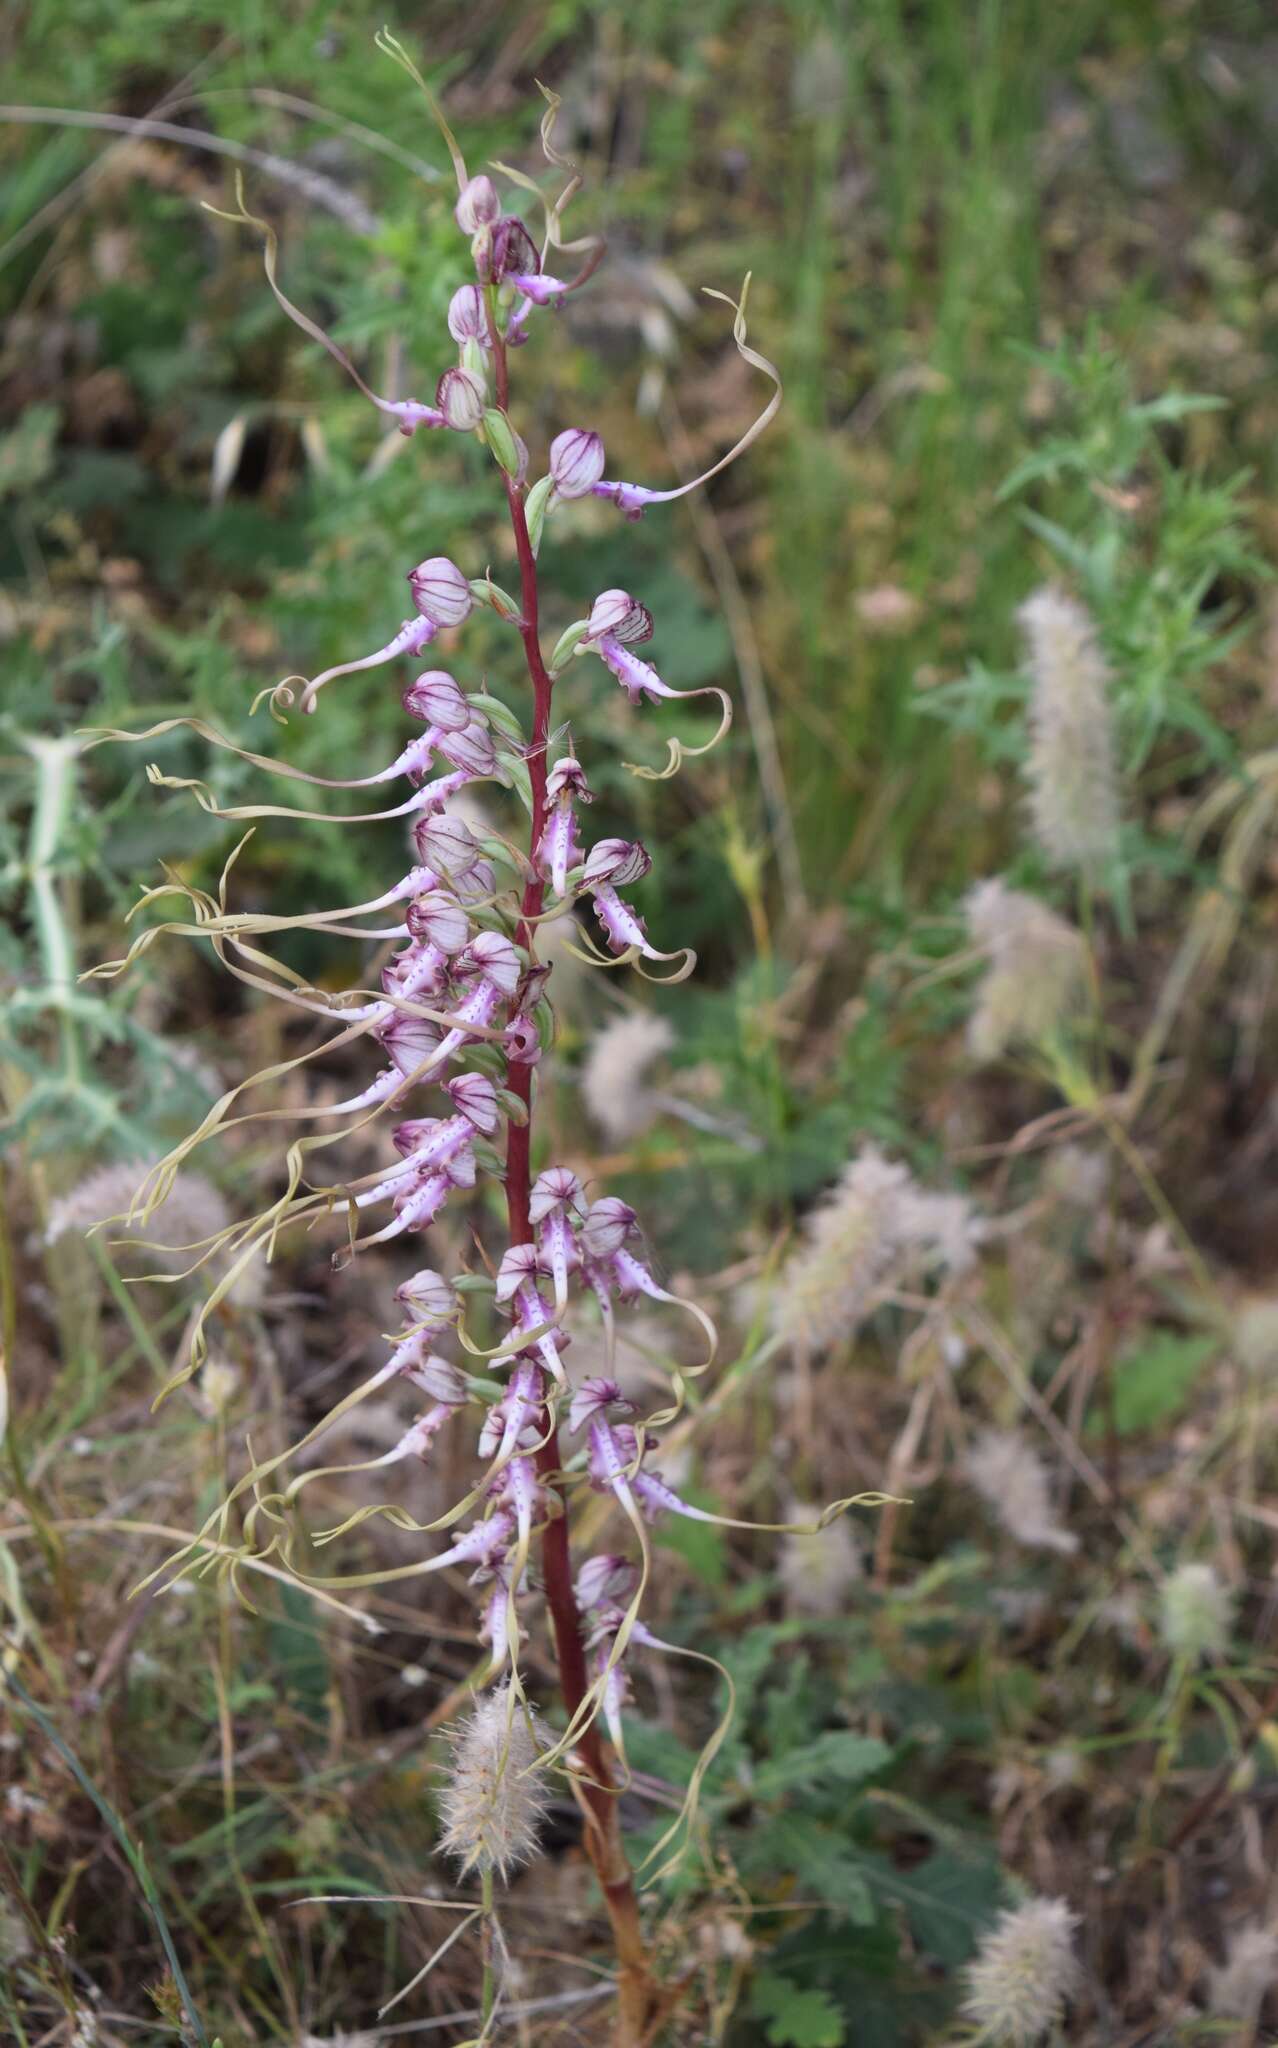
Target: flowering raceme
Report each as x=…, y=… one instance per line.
x=1073, y=779
x=876, y=1227
x=1013, y=1482
x=1195, y=1609
x=1024, y=1974
x=614, y=1077
x=457, y=1027
x=494, y=1800
x=1034, y=974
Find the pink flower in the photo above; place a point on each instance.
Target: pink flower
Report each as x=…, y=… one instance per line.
x=558, y=848
x=535, y=285
x=440, y=592
x=436, y=698
x=478, y=206
x=576, y=462
x=615, y=615
x=467, y=316
x=513, y=252
x=461, y=399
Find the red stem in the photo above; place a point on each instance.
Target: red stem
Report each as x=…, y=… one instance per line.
x=603, y=1839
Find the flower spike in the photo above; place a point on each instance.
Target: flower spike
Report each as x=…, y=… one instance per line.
x=454, y=1011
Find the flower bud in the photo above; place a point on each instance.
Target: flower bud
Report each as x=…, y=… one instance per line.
x=440, y=591
x=497, y=960
x=535, y=508
x=478, y=206
x=520, y=1265
x=608, y=1224
x=474, y=360
x=478, y=884
x=467, y=316
x=618, y=615
x=460, y=396
x=557, y=1188
x=617, y=861
x=474, y=1097
x=570, y=641
x=410, y=1041
x=604, y=1580
x=436, y=700
x=505, y=442
x=492, y=593
x=438, y=920
x=428, y=1297
x=576, y=462
x=471, y=749
x=446, y=845
x=439, y=1378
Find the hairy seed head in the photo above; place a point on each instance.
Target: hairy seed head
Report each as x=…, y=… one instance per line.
x=193, y=1211
x=494, y=1802
x=876, y=1225
x=1194, y=1612
x=1073, y=785
x=1237, y=1987
x=818, y=1571
x=1012, y=1480
x=1023, y=1974
x=613, y=1078
x=15, y=1941
x=1034, y=973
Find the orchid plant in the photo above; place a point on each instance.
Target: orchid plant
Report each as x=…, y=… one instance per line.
x=462, y=1009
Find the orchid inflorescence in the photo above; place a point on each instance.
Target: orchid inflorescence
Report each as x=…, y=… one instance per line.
x=462, y=1009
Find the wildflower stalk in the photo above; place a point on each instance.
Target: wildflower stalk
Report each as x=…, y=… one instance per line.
x=603, y=1834
x=469, y=984
x=55, y=796
x=488, y=1981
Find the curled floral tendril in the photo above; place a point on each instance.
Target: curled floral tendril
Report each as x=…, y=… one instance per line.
x=678, y=752
x=590, y=955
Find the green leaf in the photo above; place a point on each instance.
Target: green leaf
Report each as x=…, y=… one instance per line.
x=1176, y=405
x=26, y=453
x=795, y=2018
x=839, y=1755
x=1059, y=541
x=1044, y=465
x=883, y=2002
x=1153, y=1382
x=948, y=1898
x=825, y=1865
